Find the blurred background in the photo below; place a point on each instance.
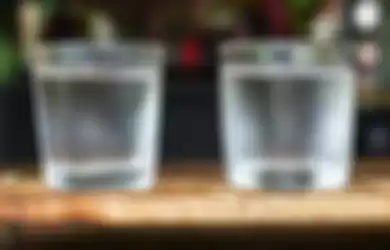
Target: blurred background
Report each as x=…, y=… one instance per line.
x=192, y=30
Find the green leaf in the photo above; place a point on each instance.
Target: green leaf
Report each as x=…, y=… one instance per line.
x=9, y=60
x=49, y=8
x=301, y=12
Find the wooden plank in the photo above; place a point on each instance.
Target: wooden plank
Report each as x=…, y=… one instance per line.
x=197, y=196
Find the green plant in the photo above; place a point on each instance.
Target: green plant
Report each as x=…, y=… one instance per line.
x=11, y=58
x=302, y=11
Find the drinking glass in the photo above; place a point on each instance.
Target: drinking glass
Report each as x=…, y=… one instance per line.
x=98, y=113
x=287, y=115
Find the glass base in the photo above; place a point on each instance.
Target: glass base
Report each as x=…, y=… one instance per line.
x=102, y=175
x=288, y=175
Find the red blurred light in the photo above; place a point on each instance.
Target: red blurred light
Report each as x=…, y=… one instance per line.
x=190, y=52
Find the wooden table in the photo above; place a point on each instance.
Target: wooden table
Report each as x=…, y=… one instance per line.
x=196, y=195
x=192, y=197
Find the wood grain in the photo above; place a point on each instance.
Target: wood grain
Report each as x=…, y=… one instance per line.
x=195, y=195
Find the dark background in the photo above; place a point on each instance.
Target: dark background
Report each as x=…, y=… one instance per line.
x=190, y=109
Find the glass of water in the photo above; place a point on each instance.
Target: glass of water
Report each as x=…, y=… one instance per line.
x=287, y=115
x=98, y=113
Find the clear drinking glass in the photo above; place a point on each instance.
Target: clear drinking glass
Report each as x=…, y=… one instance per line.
x=287, y=115
x=98, y=113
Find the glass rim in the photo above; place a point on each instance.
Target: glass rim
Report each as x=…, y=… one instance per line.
x=303, y=52
x=76, y=52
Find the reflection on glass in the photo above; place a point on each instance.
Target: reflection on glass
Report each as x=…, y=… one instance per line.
x=98, y=115
x=286, y=124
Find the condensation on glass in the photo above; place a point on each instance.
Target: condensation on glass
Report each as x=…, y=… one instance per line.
x=98, y=114
x=287, y=115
